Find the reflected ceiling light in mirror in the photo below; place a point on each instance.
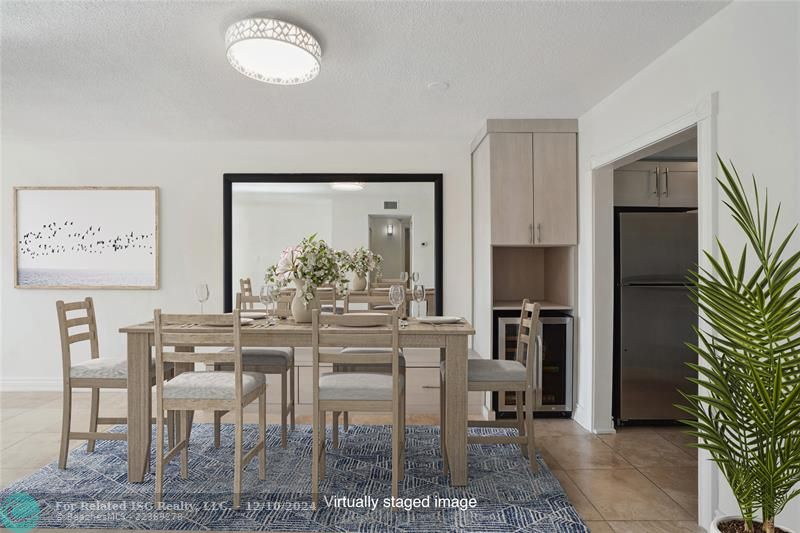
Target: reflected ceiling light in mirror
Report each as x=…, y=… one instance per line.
x=273, y=51
x=347, y=186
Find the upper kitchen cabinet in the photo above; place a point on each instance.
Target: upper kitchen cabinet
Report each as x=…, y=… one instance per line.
x=555, y=194
x=511, y=188
x=656, y=184
x=531, y=179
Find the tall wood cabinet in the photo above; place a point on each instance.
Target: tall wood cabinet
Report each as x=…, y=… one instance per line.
x=524, y=219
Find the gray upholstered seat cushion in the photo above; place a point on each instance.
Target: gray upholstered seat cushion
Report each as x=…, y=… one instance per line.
x=356, y=386
x=483, y=370
x=267, y=356
x=101, y=368
x=210, y=385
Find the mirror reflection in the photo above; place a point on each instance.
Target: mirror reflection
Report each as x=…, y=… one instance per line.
x=393, y=219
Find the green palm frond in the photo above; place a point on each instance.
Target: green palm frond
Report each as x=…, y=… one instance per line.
x=747, y=415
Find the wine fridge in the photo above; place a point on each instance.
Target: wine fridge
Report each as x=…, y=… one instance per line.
x=553, y=379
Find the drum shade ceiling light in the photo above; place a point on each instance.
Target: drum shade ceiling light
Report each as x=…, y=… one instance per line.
x=273, y=51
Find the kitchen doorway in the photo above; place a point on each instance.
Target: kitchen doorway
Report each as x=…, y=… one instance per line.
x=655, y=248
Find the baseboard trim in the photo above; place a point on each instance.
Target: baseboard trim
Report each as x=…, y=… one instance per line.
x=31, y=385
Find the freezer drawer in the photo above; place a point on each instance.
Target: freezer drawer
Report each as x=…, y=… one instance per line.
x=656, y=323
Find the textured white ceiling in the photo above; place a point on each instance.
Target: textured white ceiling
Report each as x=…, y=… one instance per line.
x=148, y=70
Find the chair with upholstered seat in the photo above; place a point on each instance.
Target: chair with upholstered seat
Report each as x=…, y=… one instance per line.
x=502, y=376
x=215, y=390
x=355, y=391
x=95, y=374
x=268, y=360
x=375, y=301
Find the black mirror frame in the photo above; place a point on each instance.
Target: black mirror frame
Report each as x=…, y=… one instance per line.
x=227, y=188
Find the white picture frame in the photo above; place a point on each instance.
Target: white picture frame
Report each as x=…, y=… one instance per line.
x=86, y=238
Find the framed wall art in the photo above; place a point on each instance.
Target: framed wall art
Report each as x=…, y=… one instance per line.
x=86, y=238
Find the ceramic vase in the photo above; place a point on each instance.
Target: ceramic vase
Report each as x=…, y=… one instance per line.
x=301, y=311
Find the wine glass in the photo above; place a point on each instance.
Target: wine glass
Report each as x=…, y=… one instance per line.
x=419, y=297
x=397, y=296
x=404, y=278
x=267, y=297
x=415, y=277
x=202, y=294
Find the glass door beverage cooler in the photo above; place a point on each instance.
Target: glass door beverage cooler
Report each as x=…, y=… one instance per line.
x=554, y=372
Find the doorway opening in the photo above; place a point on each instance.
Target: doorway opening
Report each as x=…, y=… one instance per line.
x=390, y=236
x=655, y=243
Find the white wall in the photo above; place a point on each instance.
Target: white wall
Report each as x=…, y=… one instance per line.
x=748, y=53
x=190, y=177
x=263, y=229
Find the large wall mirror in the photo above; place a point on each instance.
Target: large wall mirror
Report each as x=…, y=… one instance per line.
x=397, y=216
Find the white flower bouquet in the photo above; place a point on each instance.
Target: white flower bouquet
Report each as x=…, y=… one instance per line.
x=363, y=261
x=313, y=262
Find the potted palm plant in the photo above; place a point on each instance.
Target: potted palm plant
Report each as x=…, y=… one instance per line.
x=747, y=411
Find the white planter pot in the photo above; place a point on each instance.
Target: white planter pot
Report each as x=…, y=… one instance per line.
x=359, y=283
x=715, y=524
x=301, y=311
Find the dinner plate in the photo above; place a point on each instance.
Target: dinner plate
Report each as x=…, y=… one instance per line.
x=243, y=321
x=441, y=319
x=253, y=314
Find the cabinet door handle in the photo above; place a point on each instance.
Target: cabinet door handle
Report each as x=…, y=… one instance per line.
x=655, y=181
x=665, y=192
x=539, y=232
x=530, y=233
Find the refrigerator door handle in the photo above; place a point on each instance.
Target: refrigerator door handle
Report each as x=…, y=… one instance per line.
x=665, y=192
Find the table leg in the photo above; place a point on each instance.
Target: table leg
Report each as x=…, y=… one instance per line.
x=456, y=416
x=139, y=410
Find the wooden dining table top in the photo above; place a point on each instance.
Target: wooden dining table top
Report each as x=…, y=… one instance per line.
x=289, y=326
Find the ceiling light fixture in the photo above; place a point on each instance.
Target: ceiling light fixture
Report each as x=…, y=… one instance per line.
x=273, y=51
x=347, y=186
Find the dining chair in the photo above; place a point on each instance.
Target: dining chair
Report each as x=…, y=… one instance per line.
x=217, y=390
x=274, y=361
x=356, y=391
x=376, y=301
x=95, y=374
x=503, y=376
x=328, y=299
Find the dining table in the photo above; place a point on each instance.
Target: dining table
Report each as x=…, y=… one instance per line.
x=450, y=339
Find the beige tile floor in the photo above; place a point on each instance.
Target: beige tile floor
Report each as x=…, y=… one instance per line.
x=638, y=480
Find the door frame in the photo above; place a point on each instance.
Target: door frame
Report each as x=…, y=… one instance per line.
x=703, y=117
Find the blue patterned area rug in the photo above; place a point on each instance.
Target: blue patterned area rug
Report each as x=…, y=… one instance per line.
x=502, y=494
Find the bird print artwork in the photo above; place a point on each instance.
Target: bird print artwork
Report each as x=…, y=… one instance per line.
x=59, y=237
x=75, y=237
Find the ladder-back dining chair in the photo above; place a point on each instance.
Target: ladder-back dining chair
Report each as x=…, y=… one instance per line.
x=501, y=376
x=77, y=323
x=375, y=301
x=274, y=361
x=356, y=391
x=215, y=390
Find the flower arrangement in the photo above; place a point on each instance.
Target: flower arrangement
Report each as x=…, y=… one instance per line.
x=313, y=262
x=363, y=261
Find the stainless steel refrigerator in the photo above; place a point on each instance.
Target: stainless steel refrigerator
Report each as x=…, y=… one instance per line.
x=655, y=251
